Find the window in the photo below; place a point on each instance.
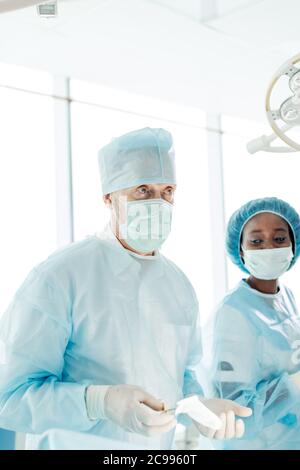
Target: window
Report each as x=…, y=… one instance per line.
x=24, y=78
x=27, y=182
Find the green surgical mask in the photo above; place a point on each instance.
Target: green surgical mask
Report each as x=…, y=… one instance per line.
x=148, y=224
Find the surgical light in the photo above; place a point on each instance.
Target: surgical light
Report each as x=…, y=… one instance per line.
x=285, y=117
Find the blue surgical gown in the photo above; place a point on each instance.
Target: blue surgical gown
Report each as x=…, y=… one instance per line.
x=256, y=347
x=94, y=313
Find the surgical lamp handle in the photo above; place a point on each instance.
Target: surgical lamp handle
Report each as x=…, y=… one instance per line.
x=263, y=143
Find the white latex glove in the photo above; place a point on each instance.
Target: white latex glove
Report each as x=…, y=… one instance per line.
x=227, y=410
x=130, y=407
x=296, y=379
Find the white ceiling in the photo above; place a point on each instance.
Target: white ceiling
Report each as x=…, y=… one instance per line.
x=161, y=48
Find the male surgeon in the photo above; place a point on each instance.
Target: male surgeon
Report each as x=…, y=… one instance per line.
x=104, y=335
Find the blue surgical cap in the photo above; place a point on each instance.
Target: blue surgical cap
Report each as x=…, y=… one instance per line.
x=139, y=157
x=239, y=219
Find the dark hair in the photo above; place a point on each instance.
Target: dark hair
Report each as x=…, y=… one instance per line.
x=292, y=237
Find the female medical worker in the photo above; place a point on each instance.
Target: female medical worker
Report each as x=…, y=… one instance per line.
x=257, y=326
x=107, y=328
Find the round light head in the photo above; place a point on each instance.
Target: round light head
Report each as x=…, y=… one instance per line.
x=294, y=82
x=290, y=111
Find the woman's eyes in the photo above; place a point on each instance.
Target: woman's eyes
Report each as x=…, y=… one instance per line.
x=280, y=239
x=256, y=242
x=277, y=240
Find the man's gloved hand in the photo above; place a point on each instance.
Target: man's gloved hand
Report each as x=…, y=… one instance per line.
x=227, y=411
x=130, y=407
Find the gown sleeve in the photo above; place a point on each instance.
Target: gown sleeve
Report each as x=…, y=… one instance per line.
x=239, y=375
x=34, y=333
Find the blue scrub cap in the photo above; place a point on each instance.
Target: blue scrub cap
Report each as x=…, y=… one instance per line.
x=239, y=219
x=139, y=157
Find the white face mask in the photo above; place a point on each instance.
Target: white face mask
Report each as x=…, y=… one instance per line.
x=268, y=264
x=148, y=224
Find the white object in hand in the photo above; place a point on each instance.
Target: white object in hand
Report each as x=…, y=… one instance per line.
x=195, y=409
